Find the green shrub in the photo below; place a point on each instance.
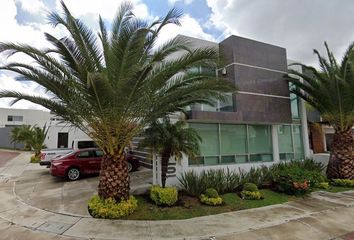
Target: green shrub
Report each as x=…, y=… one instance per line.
x=259, y=176
x=293, y=179
x=251, y=195
x=211, y=193
x=323, y=185
x=222, y=181
x=212, y=201
x=163, y=196
x=343, y=182
x=250, y=187
x=35, y=159
x=110, y=209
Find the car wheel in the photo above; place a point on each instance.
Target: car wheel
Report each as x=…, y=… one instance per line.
x=73, y=174
x=130, y=167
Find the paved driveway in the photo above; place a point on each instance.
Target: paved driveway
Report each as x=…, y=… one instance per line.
x=5, y=156
x=38, y=188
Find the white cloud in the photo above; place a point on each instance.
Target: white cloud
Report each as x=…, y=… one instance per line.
x=187, y=2
x=33, y=6
x=190, y=27
x=9, y=83
x=106, y=8
x=299, y=26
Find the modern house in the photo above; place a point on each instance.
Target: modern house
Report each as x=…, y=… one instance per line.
x=261, y=124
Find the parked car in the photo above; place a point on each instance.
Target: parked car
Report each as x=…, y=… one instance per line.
x=84, y=162
x=47, y=155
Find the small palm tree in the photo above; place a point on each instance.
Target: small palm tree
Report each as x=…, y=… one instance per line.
x=113, y=85
x=330, y=90
x=33, y=137
x=21, y=134
x=37, y=138
x=171, y=140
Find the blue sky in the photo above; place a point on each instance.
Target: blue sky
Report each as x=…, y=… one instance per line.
x=297, y=25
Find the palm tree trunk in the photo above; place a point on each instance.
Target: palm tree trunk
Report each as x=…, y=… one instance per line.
x=341, y=161
x=165, y=157
x=114, y=178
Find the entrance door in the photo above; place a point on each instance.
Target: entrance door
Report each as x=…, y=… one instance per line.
x=63, y=139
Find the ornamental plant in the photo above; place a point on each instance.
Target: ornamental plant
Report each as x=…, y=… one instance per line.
x=167, y=196
x=109, y=208
x=211, y=197
x=250, y=192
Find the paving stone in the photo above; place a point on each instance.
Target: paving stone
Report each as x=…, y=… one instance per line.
x=54, y=227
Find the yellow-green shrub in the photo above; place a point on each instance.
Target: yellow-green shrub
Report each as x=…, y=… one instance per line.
x=212, y=201
x=257, y=195
x=343, y=182
x=323, y=185
x=35, y=159
x=211, y=193
x=250, y=187
x=110, y=209
x=163, y=196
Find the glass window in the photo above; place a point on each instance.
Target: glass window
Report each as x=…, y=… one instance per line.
x=86, y=144
x=84, y=154
x=99, y=153
x=299, y=153
x=210, y=139
x=241, y=158
x=233, y=139
x=196, y=161
x=211, y=160
x=227, y=105
x=294, y=104
x=14, y=118
x=228, y=159
x=259, y=139
x=285, y=139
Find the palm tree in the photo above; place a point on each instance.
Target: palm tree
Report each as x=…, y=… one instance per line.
x=171, y=140
x=113, y=85
x=33, y=137
x=21, y=134
x=330, y=90
x=37, y=138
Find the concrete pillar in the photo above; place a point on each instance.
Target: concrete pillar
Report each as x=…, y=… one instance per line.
x=304, y=129
x=275, y=142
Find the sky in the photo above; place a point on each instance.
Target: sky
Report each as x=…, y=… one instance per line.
x=297, y=25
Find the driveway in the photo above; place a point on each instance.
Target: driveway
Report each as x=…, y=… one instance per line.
x=38, y=188
x=321, y=215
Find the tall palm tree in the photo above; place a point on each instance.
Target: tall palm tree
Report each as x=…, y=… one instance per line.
x=170, y=140
x=330, y=90
x=113, y=85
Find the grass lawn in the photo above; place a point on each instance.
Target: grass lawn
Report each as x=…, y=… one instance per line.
x=190, y=207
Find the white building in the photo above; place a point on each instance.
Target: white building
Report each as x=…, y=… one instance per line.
x=60, y=134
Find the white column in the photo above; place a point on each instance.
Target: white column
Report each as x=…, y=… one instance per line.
x=154, y=168
x=275, y=143
x=304, y=129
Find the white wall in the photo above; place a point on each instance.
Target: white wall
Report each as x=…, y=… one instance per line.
x=41, y=118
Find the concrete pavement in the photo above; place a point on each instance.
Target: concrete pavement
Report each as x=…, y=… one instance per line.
x=321, y=216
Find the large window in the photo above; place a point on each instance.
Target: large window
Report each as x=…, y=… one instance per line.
x=290, y=142
x=218, y=106
x=11, y=118
x=231, y=143
x=260, y=143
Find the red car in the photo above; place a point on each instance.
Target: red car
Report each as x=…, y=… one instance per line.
x=84, y=162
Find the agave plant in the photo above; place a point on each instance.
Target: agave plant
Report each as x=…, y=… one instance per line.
x=330, y=90
x=113, y=85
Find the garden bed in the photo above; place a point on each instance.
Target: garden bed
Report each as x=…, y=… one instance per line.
x=190, y=207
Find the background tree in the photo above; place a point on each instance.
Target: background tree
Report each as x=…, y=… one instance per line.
x=33, y=137
x=330, y=90
x=114, y=85
x=21, y=134
x=171, y=140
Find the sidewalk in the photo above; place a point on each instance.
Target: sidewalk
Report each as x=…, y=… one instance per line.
x=323, y=215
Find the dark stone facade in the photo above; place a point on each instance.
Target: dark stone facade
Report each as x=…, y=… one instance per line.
x=254, y=67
